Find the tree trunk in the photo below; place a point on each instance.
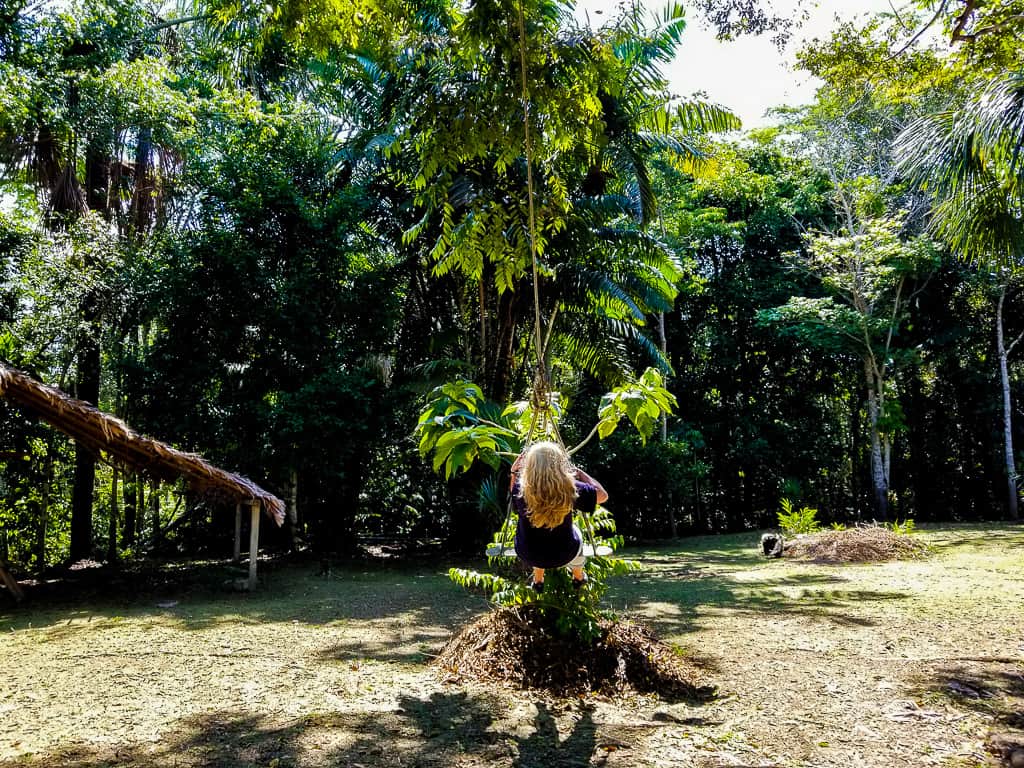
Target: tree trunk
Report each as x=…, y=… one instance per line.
x=1004, y=380
x=88, y=389
x=143, y=201
x=140, y=506
x=44, y=516
x=879, y=487
x=97, y=183
x=112, y=522
x=293, y=507
x=154, y=506
x=503, y=361
x=97, y=176
x=917, y=466
x=698, y=512
x=673, y=525
x=130, y=511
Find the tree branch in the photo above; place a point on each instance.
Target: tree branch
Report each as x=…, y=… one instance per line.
x=892, y=318
x=928, y=25
x=178, y=22
x=1006, y=23
x=970, y=6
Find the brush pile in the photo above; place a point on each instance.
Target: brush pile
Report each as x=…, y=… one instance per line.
x=517, y=647
x=863, y=544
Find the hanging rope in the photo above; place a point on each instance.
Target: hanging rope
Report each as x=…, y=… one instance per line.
x=540, y=396
x=541, y=384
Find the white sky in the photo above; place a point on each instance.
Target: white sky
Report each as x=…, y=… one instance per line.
x=747, y=75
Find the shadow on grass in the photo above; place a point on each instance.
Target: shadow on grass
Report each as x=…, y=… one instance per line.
x=444, y=729
x=677, y=588
x=992, y=688
x=291, y=594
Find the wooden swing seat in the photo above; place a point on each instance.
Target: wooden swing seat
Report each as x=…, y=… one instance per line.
x=509, y=550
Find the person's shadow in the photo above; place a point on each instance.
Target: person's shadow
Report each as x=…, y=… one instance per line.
x=543, y=749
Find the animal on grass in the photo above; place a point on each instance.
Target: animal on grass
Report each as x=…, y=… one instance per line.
x=546, y=489
x=772, y=544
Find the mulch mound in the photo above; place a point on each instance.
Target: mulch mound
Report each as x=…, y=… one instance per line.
x=518, y=648
x=864, y=544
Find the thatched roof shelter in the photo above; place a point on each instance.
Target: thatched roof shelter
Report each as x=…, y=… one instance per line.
x=102, y=433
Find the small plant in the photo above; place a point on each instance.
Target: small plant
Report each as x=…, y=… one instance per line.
x=905, y=528
x=796, y=521
x=571, y=613
x=838, y=526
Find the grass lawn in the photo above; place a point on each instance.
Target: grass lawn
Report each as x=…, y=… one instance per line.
x=893, y=664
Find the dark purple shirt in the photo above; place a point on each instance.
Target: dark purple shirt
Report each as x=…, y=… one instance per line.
x=551, y=547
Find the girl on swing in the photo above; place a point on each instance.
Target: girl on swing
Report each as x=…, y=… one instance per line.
x=546, y=488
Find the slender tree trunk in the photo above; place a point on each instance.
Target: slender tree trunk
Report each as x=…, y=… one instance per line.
x=293, y=507
x=1004, y=380
x=663, y=344
x=97, y=183
x=130, y=512
x=887, y=462
x=879, y=487
x=140, y=506
x=916, y=442
x=87, y=389
x=698, y=512
x=501, y=347
x=154, y=507
x=44, y=515
x=112, y=522
x=856, y=436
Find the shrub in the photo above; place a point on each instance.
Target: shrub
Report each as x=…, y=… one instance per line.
x=902, y=529
x=795, y=521
x=568, y=611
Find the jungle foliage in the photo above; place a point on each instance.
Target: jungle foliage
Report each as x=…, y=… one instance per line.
x=283, y=235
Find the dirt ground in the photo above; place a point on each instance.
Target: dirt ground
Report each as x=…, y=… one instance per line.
x=893, y=664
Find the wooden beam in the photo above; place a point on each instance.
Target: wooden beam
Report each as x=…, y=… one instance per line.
x=237, y=557
x=254, y=543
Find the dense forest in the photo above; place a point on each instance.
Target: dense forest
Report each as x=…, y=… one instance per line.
x=273, y=234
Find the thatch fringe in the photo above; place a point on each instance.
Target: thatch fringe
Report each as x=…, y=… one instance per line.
x=101, y=432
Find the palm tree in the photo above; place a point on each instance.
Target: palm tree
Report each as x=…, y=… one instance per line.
x=74, y=106
x=455, y=139
x=972, y=160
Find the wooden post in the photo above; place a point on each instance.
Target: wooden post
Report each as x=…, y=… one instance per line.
x=238, y=533
x=254, y=543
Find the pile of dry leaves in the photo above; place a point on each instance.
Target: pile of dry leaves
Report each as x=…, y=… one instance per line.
x=863, y=544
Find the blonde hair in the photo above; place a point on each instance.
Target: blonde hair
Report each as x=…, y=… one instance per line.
x=547, y=483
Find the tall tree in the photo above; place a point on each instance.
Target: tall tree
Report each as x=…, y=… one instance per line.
x=972, y=161
x=871, y=278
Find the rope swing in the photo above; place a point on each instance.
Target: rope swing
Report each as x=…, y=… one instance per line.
x=542, y=419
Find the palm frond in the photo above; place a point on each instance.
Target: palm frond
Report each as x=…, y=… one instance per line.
x=704, y=117
x=1000, y=121
x=971, y=161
